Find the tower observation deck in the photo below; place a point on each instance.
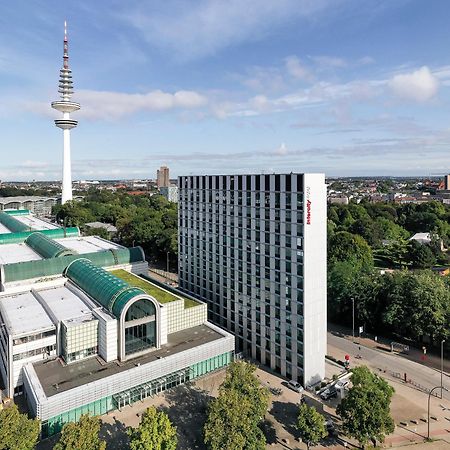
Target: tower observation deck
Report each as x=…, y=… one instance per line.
x=66, y=106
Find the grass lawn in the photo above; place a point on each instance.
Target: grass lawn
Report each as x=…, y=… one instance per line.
x=152, y=289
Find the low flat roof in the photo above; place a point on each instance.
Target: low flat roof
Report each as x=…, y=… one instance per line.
x=56, y=378
x=25, y=198
x=36, y=224
x=24, y=315
x=87, y=244
x=64, y=304
x=13, y=253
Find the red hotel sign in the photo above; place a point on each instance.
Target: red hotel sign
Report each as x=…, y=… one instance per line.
x=308, y=206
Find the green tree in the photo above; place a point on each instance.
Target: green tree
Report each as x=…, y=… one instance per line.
x=346, y=281
x=81, y=435
x=345, y=246
x=234, y=418
x=241, y=378
x=420, y=255
x=17, y=431
x=391, y=230
x=311, y=425
x=155, y=432
x=369, y=230
x=365, y=410
x=394, y=254
x=230, y=424
x=417, y=305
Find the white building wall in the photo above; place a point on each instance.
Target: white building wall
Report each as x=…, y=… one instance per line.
x=107, y=337
x=16, y=373
x=179, y=318
x=163, y=324
x=315, y=277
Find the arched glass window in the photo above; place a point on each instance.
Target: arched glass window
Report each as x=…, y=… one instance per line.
x=140, y=327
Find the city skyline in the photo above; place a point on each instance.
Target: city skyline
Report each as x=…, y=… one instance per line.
x=338, y=87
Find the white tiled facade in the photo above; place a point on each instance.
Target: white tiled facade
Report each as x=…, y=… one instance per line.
x=254, y=248
x=180, y=318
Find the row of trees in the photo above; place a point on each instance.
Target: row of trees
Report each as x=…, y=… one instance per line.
x=18, y=432
x=149, y=221
x=414, y=305
x=410, y=304
x=378, y=221
x=386, y=228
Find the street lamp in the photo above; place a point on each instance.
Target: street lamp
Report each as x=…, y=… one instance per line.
x=442, y=362
x=167, y=276
x=353, y=318
x=429, y=397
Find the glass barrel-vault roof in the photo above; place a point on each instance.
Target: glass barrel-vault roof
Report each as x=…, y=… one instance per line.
x=13, y=224
x=28, y=270
x=55, y=233
x=108, y=290
x=47, y=247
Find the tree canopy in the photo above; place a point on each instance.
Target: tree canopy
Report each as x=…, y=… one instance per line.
x=234, y=418
x=155, y=432
x=413, y=301
x=345, y=246
x=17, y=431
x=365, y=411
x=311, y=425
x=81, y=435
x=147, y=220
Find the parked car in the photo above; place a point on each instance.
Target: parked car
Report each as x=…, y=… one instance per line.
x=295, y=386
x=328, y=393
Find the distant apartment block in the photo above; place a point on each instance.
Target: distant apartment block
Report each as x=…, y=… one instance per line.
x=447, y=182
x=253, y=247
x=162, y=177
x=170, y=193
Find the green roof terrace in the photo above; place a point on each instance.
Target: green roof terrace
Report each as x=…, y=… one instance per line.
x=161, y=295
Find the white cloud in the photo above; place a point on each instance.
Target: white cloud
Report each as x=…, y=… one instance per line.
x=108, y=105
x=296, y=69
x=198, y=28
x=420, y=85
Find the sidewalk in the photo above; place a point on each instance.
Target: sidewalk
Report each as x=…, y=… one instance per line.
x=384, y=344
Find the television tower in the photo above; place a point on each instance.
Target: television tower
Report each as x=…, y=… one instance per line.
x=66, y=123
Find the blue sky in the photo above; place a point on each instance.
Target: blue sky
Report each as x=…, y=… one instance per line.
x=345, y=87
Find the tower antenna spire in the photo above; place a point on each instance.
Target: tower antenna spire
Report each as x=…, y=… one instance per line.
x=66, y=106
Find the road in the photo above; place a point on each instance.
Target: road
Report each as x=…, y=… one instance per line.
x=378, y=359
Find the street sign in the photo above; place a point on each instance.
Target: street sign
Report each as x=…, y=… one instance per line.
x=361, y=330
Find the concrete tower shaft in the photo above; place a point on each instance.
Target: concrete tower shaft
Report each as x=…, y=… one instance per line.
x=66, y=106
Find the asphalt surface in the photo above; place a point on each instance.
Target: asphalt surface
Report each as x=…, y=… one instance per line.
x=386, y=361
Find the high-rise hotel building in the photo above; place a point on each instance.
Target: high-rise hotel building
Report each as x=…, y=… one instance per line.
x=254, y=248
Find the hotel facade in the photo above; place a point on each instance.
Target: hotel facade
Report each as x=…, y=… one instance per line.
x=253, y=247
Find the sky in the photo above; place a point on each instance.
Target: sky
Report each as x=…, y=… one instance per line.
x=344, y=87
